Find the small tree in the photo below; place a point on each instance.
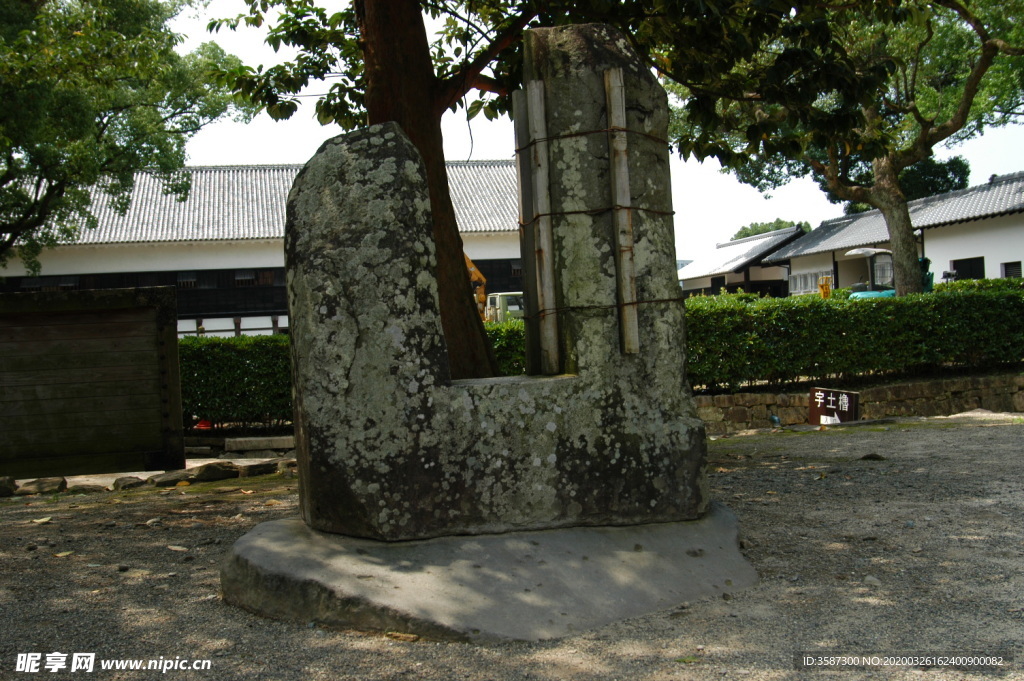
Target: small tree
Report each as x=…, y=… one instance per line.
x=382, y=67
x=755, y=228
x=931, y=72
x=93, y=92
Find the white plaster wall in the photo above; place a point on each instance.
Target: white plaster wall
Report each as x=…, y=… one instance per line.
x=998, y=240
x=212, y=255
x=491, y=245
x=756, y=274
x=807, y=269
x=223, y=327
x=767, y=273
x=156, y=257
x=811, y=263
x=701, y=282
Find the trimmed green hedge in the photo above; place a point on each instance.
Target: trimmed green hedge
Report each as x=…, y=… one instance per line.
x=733, y=341
x=243, y=380
x=1008, y=285
x=246, y=380
x=783, y=340
x=509, y=342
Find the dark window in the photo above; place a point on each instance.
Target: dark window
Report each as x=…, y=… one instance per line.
x=245, y=277
x=501, y=275
x=149, y=279
x=969, y=268
x=208, y=279
x=1011, y=269
x=717, y=283
x=187, y=280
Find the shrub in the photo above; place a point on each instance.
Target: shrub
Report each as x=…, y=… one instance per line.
x=806, y=338
x=509, y=342
x=1014, y=284
x=733, y=341
x=241, y=380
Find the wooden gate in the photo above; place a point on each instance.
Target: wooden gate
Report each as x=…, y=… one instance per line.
x=89, y=382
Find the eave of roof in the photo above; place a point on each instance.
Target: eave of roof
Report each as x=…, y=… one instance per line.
x=734, y=256
x=240, y=203
x=1002, y=195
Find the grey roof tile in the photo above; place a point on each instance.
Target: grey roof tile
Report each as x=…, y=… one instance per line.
x=248, y=202
x=733, y=256
x=1002, y=195
x=485, y=194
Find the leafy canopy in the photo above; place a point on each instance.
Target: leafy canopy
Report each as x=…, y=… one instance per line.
x=755, y=228
x=476, y=46
x=927, y=72
x=925, y=178
x=94, y=93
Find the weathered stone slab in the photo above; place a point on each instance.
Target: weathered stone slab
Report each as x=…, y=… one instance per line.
x=172, y=478
x=391, y=448
x=521, y=586
x=245, y=444
x=127, y=482
x=86, y=489
x=215, y=470
x=8, y=486
x=251, y=470
x=42, y=486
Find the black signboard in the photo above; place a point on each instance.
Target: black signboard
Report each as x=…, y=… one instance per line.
x=828, y=406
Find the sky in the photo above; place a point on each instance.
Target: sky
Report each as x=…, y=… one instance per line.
x=709, y=206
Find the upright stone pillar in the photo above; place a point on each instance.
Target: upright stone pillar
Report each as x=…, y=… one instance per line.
x=596, y=204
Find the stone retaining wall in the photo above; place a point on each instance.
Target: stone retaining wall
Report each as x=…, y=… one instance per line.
x=726, y=414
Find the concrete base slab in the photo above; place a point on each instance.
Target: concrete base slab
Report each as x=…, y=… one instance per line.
x=517, y=586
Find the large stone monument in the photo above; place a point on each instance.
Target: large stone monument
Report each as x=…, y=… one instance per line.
x=603, y=433
x=391, y=447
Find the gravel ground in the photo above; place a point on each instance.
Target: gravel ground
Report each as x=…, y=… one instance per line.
x=916, y=549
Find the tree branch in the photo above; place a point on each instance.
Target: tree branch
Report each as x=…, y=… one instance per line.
x=468, y=77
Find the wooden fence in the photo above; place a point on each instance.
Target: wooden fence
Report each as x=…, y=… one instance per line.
x=89, y=382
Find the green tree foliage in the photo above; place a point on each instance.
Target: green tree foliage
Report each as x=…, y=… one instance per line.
x=382, y=66
x=93, y=92
x=922, y=74
x=755, y=228
x=925, y=178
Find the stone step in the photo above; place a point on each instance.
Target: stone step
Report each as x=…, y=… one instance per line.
x=244, y=444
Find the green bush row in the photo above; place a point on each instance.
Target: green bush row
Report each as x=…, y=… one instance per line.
x=733, y=341
x=509, y=342
x=1007, y=285
x=246, y=380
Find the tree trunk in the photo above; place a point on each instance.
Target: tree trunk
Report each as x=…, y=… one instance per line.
x=888, y=197
x=401, y=87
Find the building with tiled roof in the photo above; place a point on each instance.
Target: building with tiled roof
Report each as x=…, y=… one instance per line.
x=223, y=246
x=739, y=264
x=971, y=233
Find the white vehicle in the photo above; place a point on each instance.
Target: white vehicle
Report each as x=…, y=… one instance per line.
x=501, y=307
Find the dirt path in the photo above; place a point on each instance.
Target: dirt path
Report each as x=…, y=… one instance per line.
x=917, y=549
